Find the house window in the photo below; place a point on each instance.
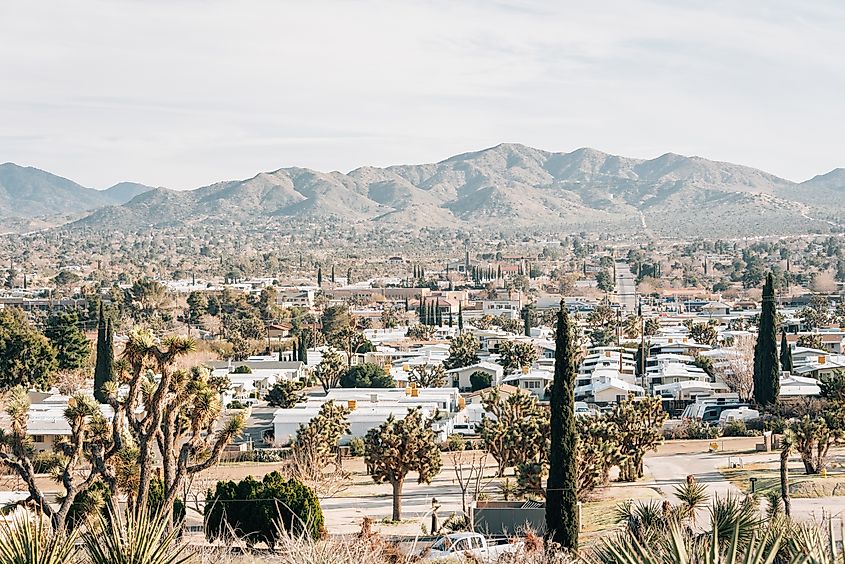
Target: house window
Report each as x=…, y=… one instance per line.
x=38, y=438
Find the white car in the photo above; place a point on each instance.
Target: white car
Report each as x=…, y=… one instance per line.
x=582, y=409
x=471, y=547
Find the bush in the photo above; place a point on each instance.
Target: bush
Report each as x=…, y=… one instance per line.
x=480, y=380
x=454, y=443
x=737, y=429
x=367, y=375
x=266, y=455
x=694, y=430
x=356, y=446
x=242, y=369
x=46, y=462
x=236, y=404
x=256, y=511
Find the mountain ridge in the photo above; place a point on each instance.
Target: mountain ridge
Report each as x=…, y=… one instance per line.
x=508, y=186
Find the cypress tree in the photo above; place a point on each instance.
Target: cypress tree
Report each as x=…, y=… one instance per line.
x=766, y=364
x=332, y=274
x=526, y=317
x=105, y=357
x=99, y=374
x=421, y=311
x=785, y=354
x=438, y=315
x=450, y=318
x=303, y=352
x=349, y=275
x=319, y=277
x=561, y=488
x=460, y=318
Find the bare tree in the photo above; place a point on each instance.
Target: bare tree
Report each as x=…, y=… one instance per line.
x=738, y=369
x=469, y=472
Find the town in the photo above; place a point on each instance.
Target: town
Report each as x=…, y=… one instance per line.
x=418, y=403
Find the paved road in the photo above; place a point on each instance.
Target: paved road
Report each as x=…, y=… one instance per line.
x=626, y=287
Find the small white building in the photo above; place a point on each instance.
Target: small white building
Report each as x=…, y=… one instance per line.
x=461, y=376
x=370, y=407
x=534, y=381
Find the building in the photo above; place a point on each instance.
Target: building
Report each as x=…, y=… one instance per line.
x=461, y=376
x=370, y=407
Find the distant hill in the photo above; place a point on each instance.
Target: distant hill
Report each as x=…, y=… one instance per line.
x=508, y=187
x=27, y=192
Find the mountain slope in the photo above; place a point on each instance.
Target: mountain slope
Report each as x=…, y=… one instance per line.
x=508, y=187
x=27, y=192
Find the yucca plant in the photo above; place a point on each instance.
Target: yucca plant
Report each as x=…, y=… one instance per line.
x=134, y=537
x=26, y=540
x=692, y=496
x=678, y=546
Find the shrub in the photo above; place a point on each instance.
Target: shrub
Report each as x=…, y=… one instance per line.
x=694, y=430
x=367, y=375
x=46, y=462
x=737, y=429
x=356, y=446
x=256, y=511
x=242, y=369
x=236, y=404
x=454, y=443
x=480, y=380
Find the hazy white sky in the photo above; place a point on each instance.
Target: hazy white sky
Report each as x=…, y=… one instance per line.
x=181, y=93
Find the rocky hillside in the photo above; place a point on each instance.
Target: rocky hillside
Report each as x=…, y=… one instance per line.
x=509, y=187
x=27, y=192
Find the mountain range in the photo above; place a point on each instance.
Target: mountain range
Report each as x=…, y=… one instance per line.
x=509, y=187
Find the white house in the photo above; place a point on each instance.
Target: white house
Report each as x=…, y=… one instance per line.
x=461, y=376
x=370, y=407
x=534, y=381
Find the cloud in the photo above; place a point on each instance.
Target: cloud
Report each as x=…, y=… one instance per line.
x=188, y=92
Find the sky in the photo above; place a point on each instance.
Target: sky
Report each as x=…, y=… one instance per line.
x=183, y=93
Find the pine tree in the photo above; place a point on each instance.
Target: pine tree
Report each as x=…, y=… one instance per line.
x=561, y=488
x=766, y=364
x=319, y=276
x=460, y=318
x=332, y=274
x=105, y=357
x=785, y=354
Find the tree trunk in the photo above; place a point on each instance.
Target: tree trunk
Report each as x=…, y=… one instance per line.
x=784, y=482
x=397, y=498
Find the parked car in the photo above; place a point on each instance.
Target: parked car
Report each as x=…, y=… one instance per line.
x=582, y=409
x=471, y=547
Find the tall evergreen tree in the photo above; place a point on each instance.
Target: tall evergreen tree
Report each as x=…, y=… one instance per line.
x=105, y=357
x=319, y=276
x=766, y=363
x=561, y=488
x=460, y=318
x=332, y=274
x=438, y=315
x=303, y=351
x=526, y=318
x=349, y=275
x=785, y=354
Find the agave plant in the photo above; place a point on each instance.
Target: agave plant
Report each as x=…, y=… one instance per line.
x=133, y=537
x=27, y=540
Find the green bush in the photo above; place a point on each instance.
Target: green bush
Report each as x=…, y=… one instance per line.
x=236, y=404
x=480, y=380
x=737, y=429
x=367, y=375
x=46, y=462
x=694, y=430
x=454, y=443
x=255, y=511
x=242, y=369
x=356, y=446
